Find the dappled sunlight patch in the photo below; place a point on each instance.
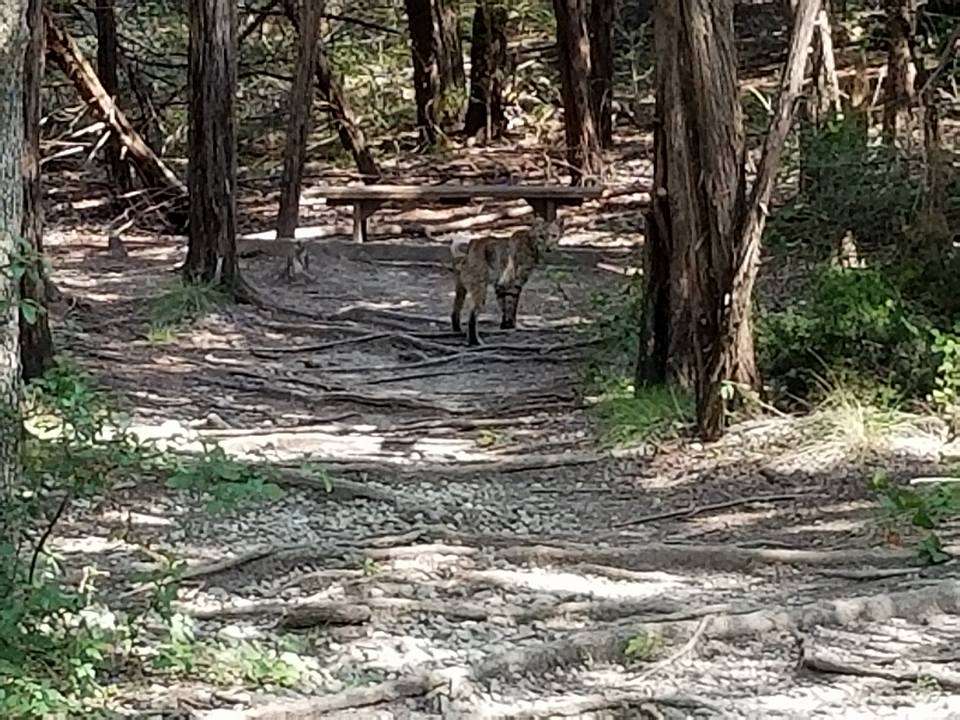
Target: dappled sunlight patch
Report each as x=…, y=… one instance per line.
x=553, y=581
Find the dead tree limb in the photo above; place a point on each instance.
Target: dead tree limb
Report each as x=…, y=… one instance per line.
x=63, y=50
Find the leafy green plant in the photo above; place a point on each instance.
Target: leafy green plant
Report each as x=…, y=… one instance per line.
x=643, y=647
x=183, y=654
x=616, y=318
x=227, y=484
x=653, y=413
x=852, y=322
x=925, y=508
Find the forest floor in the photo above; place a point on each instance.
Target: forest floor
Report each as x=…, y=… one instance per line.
x=475, y=550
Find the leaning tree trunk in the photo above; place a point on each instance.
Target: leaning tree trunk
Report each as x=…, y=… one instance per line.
x=298, y=127
x=36, y=343
x=11, y=207
x=488, y=64
x=704, y=236
x=212, y=169
x=426, y=70
x=900, y=93
x=105, y=14
x=584, y=153
x=63, y=50
x=336, y=104
x=602, y=16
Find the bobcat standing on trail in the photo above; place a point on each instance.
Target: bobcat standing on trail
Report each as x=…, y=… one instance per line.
x=511, y=260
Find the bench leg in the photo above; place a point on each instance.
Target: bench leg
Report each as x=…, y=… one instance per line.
x=545, y=209
x=359, y=223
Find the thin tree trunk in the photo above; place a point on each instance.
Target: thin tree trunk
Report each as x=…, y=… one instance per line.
x=732, y=356
x=584, y=153
x=64, y=51
x=348, y=127
x=900, y=84
x=488, y=62
x=11, y=206
x=825, y=66
x=426, y=71
x=336, y=104
x=298, y=127
x=212, y=170
x=106, y=18
x=448, y=44
x=36, y=343
x=602, y=17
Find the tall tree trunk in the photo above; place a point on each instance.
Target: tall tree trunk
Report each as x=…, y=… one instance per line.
x=426, y=70
x=446, y=23
x=602, y=17
x=698, y=186
x=488, y=64
x=584, y=153
x=900, y=89
x=298, y=127
x=212, y=169
x=704, y=239
x=105, y=14
x=36, y=343
x=11, y=206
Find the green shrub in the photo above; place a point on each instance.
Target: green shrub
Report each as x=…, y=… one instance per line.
x=852, y=323
x=847, y=184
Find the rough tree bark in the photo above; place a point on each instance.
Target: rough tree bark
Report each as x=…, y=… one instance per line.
x=105, y=14
x=900, y=85
x=602, y=17
x=703, y=232
x=446, y=29
x=12, y=38
x=488, y=63
x=212, y=169
x=298, y=127
x=426, y=70
x=584, y=154
x=36, y=343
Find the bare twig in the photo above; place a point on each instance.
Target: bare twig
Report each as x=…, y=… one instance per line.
x=700, y=509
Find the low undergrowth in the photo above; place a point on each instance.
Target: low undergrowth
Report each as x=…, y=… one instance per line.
x=61, y=638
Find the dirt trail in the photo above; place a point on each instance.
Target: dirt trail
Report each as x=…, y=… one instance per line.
x=478, y=554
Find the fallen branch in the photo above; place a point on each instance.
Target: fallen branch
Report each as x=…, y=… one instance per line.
x=610, y=645
x=700, y=509
x=65, y=52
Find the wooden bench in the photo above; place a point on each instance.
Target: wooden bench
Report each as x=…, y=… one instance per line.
x=367, y=199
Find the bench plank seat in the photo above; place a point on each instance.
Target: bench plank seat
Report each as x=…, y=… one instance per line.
x=367, y=199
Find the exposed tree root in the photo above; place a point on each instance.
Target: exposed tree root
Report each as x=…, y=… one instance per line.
x=609, y=645
x=615, y=700
x=358, y=697
x=661, y=556
x=823, y=662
